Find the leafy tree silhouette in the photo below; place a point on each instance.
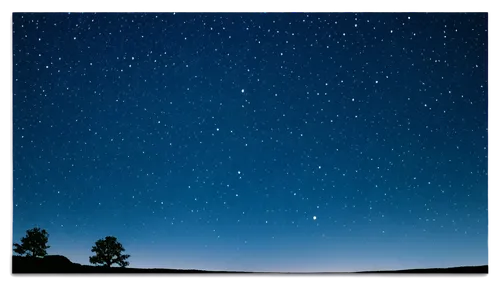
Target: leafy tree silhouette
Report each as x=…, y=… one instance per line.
x=108, y=251
x=34, y=244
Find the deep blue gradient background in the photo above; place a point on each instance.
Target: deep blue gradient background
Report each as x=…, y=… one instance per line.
x=211, y=141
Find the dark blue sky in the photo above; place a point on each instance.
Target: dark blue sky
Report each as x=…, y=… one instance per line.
x=264, y=142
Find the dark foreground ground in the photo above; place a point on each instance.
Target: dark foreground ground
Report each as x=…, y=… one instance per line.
x=61, y=267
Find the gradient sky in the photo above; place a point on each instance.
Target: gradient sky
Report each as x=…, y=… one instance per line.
x=258, y=142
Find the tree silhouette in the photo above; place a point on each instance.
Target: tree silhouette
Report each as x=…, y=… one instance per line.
x=108, y=251
x=34, y=244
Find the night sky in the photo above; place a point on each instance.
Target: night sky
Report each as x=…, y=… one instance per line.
x=259, y=142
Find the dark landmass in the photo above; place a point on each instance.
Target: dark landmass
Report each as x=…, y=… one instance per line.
x=60, y=267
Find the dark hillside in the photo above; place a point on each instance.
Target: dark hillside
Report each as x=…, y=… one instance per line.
x=60, y=267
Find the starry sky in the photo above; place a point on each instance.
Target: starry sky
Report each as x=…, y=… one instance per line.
x=254, y=141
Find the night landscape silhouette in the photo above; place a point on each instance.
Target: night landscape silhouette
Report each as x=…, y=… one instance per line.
x=250, y=143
